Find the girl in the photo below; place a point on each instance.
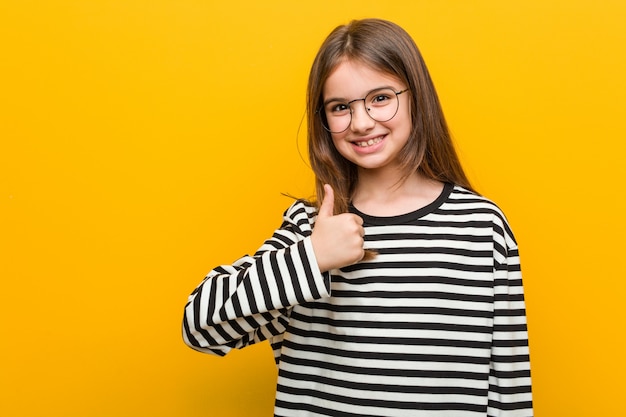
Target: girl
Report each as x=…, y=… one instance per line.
x=400, y=293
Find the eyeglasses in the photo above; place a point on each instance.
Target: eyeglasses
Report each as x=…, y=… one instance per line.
x=381, y=105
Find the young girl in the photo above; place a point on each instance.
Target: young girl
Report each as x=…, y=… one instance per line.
x=399, y=293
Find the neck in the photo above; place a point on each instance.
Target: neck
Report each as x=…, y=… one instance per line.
x=387, y=194
x=382, y=181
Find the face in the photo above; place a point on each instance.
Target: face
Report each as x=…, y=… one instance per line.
x=370, y=144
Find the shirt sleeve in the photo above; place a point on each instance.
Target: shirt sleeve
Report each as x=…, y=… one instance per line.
x=510, y=393
x=250, y=301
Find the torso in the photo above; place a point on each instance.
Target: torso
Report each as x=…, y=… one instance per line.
x=404, y=334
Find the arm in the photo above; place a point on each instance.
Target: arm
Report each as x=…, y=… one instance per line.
x=249, y=301
x=509, y=380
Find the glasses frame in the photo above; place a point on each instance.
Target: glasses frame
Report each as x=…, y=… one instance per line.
x=322, y=112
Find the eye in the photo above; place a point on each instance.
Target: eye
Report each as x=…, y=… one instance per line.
x=338, y=108
x=380, y=98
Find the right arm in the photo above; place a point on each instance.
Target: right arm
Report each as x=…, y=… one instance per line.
x=249, y=301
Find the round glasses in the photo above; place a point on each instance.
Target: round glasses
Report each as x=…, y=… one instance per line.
x=381, y=105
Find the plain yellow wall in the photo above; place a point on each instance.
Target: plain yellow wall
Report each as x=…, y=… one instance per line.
x=144, y=142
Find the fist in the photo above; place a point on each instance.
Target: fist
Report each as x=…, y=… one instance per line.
x=337, y=239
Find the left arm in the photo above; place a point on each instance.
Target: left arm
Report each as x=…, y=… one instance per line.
x=510, y=392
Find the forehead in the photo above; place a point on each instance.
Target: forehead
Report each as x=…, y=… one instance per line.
x=353, y=79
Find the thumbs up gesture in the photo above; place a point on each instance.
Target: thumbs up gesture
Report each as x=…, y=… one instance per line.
x=337, y=240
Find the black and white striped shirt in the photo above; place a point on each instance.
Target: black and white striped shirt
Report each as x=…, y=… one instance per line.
x=434, y=325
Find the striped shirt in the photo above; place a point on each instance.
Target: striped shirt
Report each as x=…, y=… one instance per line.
x=434, y=325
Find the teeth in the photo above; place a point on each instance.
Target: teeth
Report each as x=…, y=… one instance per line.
x=368, y=142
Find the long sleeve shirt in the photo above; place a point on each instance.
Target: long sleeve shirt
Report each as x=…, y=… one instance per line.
x=434, y=325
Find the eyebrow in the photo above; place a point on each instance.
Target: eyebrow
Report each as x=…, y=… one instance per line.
x=345, y=100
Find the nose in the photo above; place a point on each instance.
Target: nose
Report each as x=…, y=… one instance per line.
x=361, y=120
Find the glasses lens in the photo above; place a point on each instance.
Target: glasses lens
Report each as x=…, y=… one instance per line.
x=336, y=117
x=382, y=105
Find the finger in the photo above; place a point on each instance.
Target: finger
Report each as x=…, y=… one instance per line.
x=328, y=203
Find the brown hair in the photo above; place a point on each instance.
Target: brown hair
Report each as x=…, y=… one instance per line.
x=386, y=47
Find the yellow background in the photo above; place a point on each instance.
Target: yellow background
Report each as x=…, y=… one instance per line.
x=144, y=142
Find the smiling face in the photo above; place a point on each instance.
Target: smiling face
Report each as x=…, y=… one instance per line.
x=367, y=143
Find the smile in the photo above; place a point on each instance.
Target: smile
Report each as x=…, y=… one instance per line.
x=366, y=143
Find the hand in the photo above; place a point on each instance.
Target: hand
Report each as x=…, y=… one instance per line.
x=337, y=240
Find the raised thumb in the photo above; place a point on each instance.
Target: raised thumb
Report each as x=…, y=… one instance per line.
x=328, y=203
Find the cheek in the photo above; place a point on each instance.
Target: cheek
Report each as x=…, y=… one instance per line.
x=337, y=140
x=403, y=123
x=341, y=145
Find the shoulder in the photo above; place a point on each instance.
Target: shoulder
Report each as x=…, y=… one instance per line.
x=300, y=214
x=471, y=202
x=463, y=201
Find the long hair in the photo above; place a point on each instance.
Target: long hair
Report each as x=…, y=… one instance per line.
x=386, y=47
